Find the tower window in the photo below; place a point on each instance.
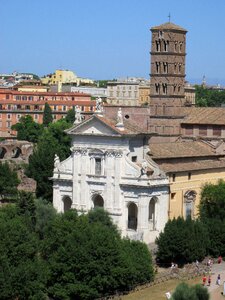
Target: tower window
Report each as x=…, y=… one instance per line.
x=165, y=67
x=180, y=47
x=174, y=177
x=158, y=48
x=157, y=67
x=157, y=88
x=164, y=86
x=179, y=68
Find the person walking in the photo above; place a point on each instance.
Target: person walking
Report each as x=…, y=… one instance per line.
x=218, y=280
x=204, y=280
x=209, y=280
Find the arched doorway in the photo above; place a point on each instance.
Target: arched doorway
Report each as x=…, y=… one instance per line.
x=98, y=201
x=16, y=152
x=132, y=216
x=189, y=201
x=67, y=203
x=151, y=213
x=2, y=152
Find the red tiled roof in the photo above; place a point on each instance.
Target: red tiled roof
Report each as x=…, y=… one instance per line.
x=13, y=92
x=169, y=26
x=181, y=149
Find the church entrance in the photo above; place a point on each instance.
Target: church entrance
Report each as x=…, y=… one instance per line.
x=132, y=216
x=98, y=201
x=67, y=203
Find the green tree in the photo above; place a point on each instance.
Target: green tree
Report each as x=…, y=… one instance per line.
x=27, y=129
x=41, y=163
x=88, y=259
x=212, y=203
x=70, y=116
x=182, y=241
x=185, y=292
x=47, y=115
x=8, y=181
x=212, y=213
x=22, y=271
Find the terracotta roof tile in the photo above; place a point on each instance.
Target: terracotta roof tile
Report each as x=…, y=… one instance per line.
x=205, y=115
x=183, y=166
x=168, y=25
x=181, y=149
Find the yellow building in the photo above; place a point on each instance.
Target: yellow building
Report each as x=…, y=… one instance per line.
x=189, y=165
x=144, y=94
x=64, y=76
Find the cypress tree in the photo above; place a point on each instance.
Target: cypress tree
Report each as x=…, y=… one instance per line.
x=47, y=116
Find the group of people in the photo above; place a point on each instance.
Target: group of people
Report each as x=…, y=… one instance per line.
x=204, y=280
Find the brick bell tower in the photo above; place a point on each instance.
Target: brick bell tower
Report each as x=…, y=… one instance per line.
x=167, y=69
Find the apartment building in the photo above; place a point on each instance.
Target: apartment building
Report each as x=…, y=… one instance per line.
x=14, y=104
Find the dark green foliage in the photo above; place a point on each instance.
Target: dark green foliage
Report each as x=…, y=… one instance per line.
x=52, y=141
x=185, y=292
x=26, y=206
x=87, y=258
x=209, y=97
x=182, y=241
x=212, y=204
x=65, y=256
x=44, y=215
x=27, y=129
x=22, y=272
x=47, y=115
x=212, y=213
x=70, y=116
x=8, y=181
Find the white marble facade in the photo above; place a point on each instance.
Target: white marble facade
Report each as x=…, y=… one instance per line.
x=109, y=168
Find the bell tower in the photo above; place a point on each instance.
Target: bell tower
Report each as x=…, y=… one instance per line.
x=168, y=52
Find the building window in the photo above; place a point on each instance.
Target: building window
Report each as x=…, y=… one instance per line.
x=36, y=107
x=157, y=88
x=64, y=108
x=98, y=166
x=9, y=116
x=173, y=196
x=189, y=200
x=18, y=117
x=189, y=176
x=157, y=67
x=188, y=130
x=165, y=67
x=203, y=130
x=174, y=177
x=30, y=98
x=27, y=107
x=164, y=86
x=132, y=216
x=158, y=46
x=24, y=98
x=9, y=106
x=216, y=130
x=8, y=124
x=134, y=158
x=0, y=116
x=35, y=117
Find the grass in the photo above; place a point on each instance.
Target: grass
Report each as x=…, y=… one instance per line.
x=158, y=291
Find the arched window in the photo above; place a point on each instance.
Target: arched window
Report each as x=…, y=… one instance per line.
x=158, y=48
x=16, y=152
x=67, y=203
x=189, y=200
x=151, y=213
x=157, y=88
x=164, y=86
x=2, y=152
x=132, y=216
x=98, y=201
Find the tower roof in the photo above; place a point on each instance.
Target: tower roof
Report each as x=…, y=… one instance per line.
x=168, y=26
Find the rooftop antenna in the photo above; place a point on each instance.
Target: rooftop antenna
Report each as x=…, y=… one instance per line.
x=169, y=17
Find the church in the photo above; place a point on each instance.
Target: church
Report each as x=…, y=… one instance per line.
x=109, y=167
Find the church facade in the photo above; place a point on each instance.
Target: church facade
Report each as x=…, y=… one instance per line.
x=109, y=167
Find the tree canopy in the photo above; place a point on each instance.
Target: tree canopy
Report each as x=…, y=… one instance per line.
x=209, y=97
x=65, y=256
x=41, y=163
x=47, y=115
x=185, y=292
x=8, y=181
x=27, y=129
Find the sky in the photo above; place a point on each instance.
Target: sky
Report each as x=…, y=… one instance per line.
x=106, y=39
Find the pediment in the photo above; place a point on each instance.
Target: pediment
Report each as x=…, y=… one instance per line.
x=93, y=126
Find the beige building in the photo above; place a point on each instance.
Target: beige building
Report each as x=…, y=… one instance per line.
x=189, y=165
x=126, y=91
x=64, y=76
